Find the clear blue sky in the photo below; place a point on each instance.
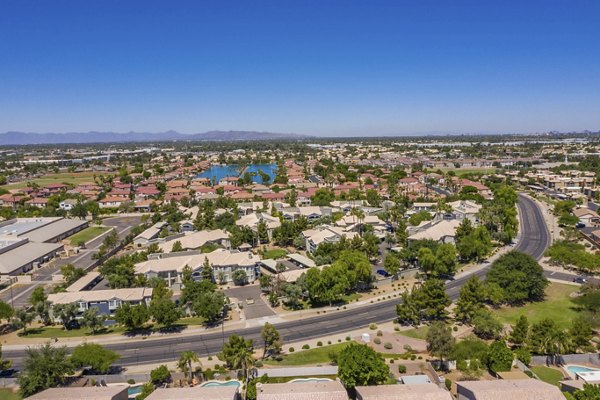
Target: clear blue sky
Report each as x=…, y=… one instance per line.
x=323, y=67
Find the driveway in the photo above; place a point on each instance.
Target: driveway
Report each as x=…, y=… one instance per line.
x=258, y=309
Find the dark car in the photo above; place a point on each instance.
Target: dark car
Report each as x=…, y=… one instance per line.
x=580, y=279
x=383, y=272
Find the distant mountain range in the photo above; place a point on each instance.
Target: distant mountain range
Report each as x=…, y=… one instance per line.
x=24, y=138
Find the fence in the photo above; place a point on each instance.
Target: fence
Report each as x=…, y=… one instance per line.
x=589, y=358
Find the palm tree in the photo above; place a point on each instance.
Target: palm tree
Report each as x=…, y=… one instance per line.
x=185, y=363
x=359, y=214
x=244, y=359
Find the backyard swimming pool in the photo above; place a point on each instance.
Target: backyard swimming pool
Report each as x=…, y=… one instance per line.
x=219, y=383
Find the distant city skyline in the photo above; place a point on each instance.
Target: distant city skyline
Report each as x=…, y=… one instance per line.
x=326, y=68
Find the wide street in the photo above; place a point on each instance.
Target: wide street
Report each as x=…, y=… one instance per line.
x=534, y=239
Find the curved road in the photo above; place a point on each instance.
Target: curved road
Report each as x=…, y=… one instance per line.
x=534, y=239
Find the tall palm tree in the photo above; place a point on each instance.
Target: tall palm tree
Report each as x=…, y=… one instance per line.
x=185, y=363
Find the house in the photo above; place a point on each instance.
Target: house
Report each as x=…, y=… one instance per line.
x=10, y=200
x=196, y=393
x=587, y=216
x=67, y=204
x=224, y=262
x=500, y=389
x=111, y=202
x=462, y=209
x=320, y=390
x=106, y=301
x=426, y=391
x=253, y=220
x=149, y=234
x=83, y=393
x=196, y=240
x=423, y=206
x=38, y=202
x=440, y=231
x=186, y=226
x=324, y=233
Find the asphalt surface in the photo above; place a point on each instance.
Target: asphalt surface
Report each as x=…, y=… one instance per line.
x=534, y=239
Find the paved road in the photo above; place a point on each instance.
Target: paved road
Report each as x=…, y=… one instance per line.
x=20, y=295
x=534, y=238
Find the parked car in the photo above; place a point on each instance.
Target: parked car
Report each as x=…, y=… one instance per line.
x=383, y=272
x=580, y=279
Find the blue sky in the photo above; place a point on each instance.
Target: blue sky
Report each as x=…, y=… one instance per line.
x=322, y=67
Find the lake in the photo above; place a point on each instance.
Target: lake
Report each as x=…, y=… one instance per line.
x=218, y=172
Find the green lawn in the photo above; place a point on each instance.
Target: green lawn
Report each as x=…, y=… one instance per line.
x=87, y=234
x=67, y=178
x=274, y=253
x=416, y=333
x=548, y=375
x=49, y=332
x=318, y=355
x=7, y=394
x=557, y=306
x=465, y=171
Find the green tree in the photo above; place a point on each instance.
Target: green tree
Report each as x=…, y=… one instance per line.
x=22, y=319
x=439, y=340
x=6, y=311
x=92, y=319
x=186, y=359
x=445, y=262
x=207, y=271
x=520, y=330
x=238, y=354
x=589, y=392
x=132, y=317
x=147, y=389
x=500, y=357
x=419, y=217
x=391, y=264
x=165, y=312
x=210, y=305
x=581, y=334
x=38, y=295
x=44, y=367
x=160, y=375
x=240, y=277
x=71, y=274
x=262, y=232
x=486, y=325
x=519, y=276
x=94, y=356
x=66, y=313
x=177, y=246
x=360, y=365
x=470, y=301
x=272, y=340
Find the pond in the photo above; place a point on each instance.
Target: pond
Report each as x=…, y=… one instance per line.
x=218, y=172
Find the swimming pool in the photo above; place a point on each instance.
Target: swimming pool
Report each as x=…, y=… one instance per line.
x=134, y=390
x=308, y=380
x=219, y=383
x=574, y=369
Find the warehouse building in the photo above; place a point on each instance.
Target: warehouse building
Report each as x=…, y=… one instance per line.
x=26, y=243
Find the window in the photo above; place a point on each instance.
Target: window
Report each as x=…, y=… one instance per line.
x=114, y=304
x=82, y=305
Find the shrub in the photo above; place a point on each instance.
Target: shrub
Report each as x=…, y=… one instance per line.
x=305, y=347
x=329, y=342
x=448, y=384
x=291, y=350
x=455, y=328
x=377, y=340
x=402, y=368
x=339, y=340
x=392, y=361
x=258, y=364
x=319, y=343
x=379, y=333
x=130, y=381
x=210, y=358
x=347, y=338
x=372, y=326
x=413, y=357
x=387, y=345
